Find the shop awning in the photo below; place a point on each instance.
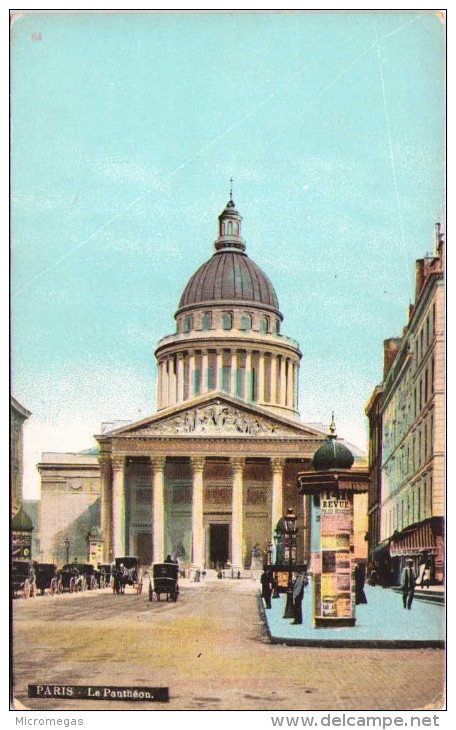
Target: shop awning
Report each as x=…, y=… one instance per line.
x=413, y=541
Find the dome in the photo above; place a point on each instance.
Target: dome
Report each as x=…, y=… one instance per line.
x=333, y=454
x=229, y=276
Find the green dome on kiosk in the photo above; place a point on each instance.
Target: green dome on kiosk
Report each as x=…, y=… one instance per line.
x=333, y=454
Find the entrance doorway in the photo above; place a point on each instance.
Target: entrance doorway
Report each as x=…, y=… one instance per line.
x=218, y=544
x=144, y=547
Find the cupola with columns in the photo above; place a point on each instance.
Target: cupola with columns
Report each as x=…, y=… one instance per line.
x=228, y=336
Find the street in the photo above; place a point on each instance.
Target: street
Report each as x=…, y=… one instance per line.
x=211, y=649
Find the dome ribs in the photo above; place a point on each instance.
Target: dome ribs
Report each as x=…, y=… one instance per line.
x=229, y=275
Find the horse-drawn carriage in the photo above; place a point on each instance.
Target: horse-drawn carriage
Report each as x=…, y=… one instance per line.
x=104, y=575
x=165, y=581
x=127, y=572
x=23, y=578
x=87, y=570
x=71, y=579
x=46, y=577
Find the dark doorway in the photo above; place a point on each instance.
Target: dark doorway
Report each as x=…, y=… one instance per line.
x=218, y=544
x=144, y=547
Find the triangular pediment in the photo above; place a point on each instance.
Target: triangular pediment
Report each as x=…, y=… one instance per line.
x=217, y=415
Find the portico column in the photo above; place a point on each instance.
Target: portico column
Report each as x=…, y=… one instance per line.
x=158, y=508
x=218, y=369
x=274, y=398
x=197, y=464
x=277, y=466
x=261, y=377
x=237, y=516
x=204, y=371
x=180, y=377
x=283, y=382
x=105, y=506
x=233, y=372
x=191, y=373
x=118, y=506
x=248, y=376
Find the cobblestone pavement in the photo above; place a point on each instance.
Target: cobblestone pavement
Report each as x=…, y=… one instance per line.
x=211, y=649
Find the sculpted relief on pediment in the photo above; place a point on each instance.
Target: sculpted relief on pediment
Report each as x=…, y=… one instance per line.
x=215, y=418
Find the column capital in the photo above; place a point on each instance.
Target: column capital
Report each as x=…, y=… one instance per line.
x=197, y=463
x=277, y=465
x=118, y=462
x=157, y=462
x=237, y=463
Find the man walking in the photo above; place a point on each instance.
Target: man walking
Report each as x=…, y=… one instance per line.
x=266, y=588
x=298, y=594
x=408, y=580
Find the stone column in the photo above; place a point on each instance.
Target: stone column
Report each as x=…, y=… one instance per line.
x=204, y=371
x=274, y=398
x=233, y=372
x=283, y=382
x=261, y=377
x=197, y=464
x=191, y=374
x=180, y=377
x=105, y=506
x=118, y=506
x=159, y=386
x=277, y=466
x=164, y=383
x=289, y=384
x=247, y=376
x=218, y=369
x=158, y=508
x=237, y=517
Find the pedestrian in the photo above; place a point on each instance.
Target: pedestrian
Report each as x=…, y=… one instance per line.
x=168, y=559
x=360, y=596
x=408, y=580
x=238, y=574
x=425, y=574
x=298, y=594
x=266, y=588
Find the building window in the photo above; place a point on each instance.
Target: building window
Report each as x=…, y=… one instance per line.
x=425, y=501
x=416, y=351
x=419, y=504
x=433, y=319
x=432, y=375
x=421, y=343
x=187, y=323
x=419, y=448
x=413, y=454
x=264, y=325
x=414, y=403
x=227, y=321
x=278, y=326
x=425, y=441
x=421, y=394
x=427, y=331
x=431, y=435
x=246, y=323
x=426, y=386
x=207, y=321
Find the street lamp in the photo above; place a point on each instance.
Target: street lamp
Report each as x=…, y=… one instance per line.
x=289, y=549
x=67, y=548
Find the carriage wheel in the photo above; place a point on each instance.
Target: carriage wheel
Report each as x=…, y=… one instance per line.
x=26, y=588
x=59, y=587
x=73, y=586
x=33, y=591
x=53, y=587
x=139, y=588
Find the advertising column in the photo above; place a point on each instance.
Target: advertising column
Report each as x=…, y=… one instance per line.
x=334, y=589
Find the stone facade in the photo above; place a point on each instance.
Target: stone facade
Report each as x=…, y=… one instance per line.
x=408, y=411
x=70, y=505
x=18, y=415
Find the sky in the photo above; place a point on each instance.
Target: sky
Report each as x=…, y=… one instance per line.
x=125, y=131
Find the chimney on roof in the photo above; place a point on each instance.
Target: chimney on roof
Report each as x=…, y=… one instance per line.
x=390, y=350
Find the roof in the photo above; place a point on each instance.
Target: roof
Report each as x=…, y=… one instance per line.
x=229, y=276
x=20, y=410
x=79, y=459
x=21, y=521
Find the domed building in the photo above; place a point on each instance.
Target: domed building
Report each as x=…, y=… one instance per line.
x=207, y=477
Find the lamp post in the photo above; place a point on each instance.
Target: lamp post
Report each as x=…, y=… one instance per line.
x=269, y=550
x=67, y=548
x=289, y=546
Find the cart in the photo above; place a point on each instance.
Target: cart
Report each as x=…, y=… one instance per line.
x=45, y=576
x=23, y=578
x=127, y=572
x=165, y=581
x=71, y=580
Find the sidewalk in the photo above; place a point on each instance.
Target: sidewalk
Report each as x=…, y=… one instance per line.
x=382, y=622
